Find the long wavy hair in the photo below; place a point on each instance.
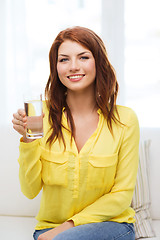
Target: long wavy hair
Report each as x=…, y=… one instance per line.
x=106, y=85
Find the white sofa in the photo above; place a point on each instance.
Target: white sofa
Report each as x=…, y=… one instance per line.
x=17, y=212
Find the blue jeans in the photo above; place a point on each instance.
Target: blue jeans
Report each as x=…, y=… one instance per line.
x=95, y=231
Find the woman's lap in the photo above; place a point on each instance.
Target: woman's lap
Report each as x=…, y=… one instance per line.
x=96, y=231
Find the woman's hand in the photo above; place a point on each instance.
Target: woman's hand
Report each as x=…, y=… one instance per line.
x=49, y=235
x=20, y=123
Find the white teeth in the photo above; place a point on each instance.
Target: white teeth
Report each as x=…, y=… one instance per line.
x=74, y=77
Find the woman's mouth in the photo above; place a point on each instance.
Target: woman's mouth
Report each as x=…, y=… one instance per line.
x=75, y=77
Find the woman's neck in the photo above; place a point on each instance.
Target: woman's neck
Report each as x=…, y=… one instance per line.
x=81, y=102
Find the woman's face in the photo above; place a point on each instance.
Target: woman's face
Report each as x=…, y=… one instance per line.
x=76, y=66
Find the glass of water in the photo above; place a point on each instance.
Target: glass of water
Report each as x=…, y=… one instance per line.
x=34, y=112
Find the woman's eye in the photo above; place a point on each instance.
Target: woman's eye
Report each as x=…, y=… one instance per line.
x=84, y=57
x=63, y=59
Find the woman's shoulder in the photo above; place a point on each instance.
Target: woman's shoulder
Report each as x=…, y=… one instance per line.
x=126, y=114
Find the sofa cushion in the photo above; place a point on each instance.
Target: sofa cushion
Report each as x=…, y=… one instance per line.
x=17, y=228
x=156, y=227
x=141, y=198
x=153, y=167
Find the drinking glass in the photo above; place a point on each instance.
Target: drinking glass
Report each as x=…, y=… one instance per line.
x=34, y=112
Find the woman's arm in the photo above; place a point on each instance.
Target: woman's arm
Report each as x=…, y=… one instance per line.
x=29, y=159
x=49, y=235
x=30, y=168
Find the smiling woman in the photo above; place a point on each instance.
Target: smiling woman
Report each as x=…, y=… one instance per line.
x=99, y=79
x=78, y=66
x=87, y=160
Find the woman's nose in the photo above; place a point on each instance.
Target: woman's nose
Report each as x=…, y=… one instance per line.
x=74, y=66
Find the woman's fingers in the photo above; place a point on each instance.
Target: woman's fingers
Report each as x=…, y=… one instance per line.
x=21, y=113
x=20, y=121
x=19, y=129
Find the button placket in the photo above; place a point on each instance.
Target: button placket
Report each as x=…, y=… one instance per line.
x=76, y=177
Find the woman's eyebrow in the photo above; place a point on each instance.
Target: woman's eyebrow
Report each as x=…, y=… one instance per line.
x=65, y=55
x=83, y=53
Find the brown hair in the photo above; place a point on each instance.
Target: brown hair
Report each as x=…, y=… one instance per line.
x=106, y=85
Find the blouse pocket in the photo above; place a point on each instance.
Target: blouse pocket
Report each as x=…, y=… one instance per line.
x=55, y=168
x=101, y=171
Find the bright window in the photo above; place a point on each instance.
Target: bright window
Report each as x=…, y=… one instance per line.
x=142, y=60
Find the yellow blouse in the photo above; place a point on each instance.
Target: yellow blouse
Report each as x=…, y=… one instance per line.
x=94, y=185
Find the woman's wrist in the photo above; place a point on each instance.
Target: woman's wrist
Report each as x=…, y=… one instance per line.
x=70, y=223
x=26, y=140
